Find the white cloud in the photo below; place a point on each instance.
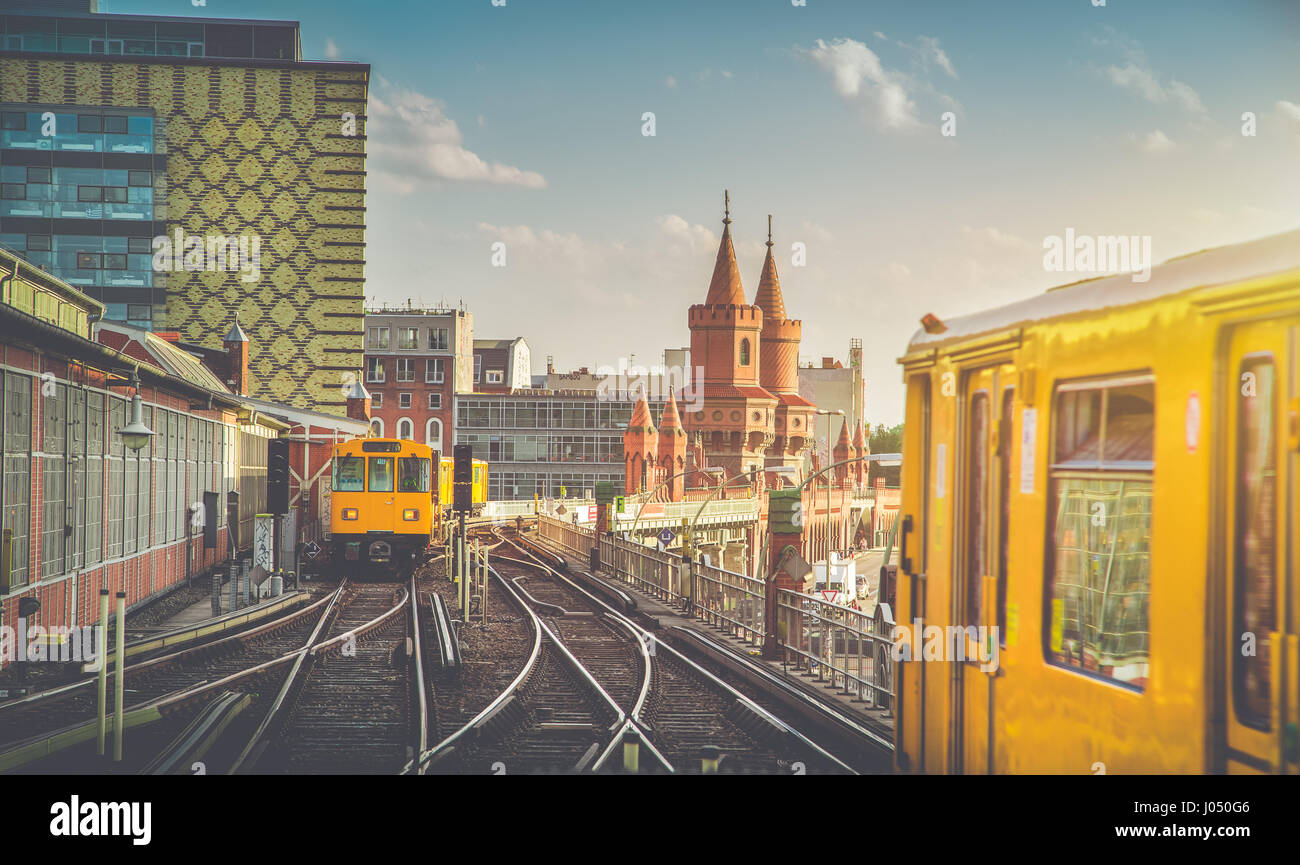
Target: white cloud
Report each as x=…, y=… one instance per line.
x=694, y=236
x=1289, y=110
x=411, y=139
x=930, y=50
x=812, y=231
x=897, y=271
x=995, y=237
x=670, y=82
x=880, y=35
x=331, y=49
x=1137, y=75
x=1132, y=77
x=1155, y=142
x=860, y=78
x=726, y=73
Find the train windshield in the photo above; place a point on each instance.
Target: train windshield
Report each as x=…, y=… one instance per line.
x=412, y=474
x=349, y=474
x=381, y=474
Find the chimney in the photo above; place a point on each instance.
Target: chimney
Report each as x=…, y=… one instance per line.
x=359, y=401
x=236, y=346
x=550, y=365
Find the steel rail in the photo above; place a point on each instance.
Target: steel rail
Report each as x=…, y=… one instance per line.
x=748, y=702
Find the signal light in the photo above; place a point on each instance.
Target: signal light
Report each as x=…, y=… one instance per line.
x=349, y=513
x=932, y=323
x=411, y=514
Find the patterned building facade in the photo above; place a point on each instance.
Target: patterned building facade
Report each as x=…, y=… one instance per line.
x=260, y=159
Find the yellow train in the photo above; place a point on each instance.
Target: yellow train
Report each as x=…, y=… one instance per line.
x=383, y=503
x=445, y=469
x=1104, y=478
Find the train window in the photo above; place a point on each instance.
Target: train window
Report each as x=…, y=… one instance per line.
x=413, y=474
x=1254, y=604
x=381, y=474
x=349, y=474
x=1100, y=532
x=389, y=447
x=977, y=475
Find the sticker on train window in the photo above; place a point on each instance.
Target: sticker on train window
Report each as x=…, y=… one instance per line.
x=1028, y=436
x=1058, y=624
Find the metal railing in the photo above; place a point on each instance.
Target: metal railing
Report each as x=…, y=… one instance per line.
x=731, y=602
x=846, y=648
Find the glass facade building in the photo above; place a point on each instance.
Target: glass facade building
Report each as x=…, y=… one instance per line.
x=81, y=196
x=545, y=445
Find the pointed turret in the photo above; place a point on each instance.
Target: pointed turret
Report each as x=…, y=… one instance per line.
x=860, y=449
x=672, y=449
x=842, y=452
x=725, y=287
x=769, y=297
x=640, y=450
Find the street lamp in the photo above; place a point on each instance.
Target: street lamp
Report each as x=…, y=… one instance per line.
x=135, y=434
x=780, y=470
x=829, y=457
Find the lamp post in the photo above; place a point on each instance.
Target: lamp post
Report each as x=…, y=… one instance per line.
x=829, y=457
x=780, y=470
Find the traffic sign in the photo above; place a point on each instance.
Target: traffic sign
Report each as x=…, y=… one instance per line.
x=312, y=550
x=830, y=596
x=666, y=537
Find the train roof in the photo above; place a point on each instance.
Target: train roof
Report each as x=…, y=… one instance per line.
x=1225, y=264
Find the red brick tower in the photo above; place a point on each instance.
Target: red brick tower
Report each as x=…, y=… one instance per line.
x=861, y=449
x=843, y=450
x=779, y=372
x=735, y=413
x=640, y=450
x=672, y=449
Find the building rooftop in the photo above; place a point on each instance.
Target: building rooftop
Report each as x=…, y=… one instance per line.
x=40, y=28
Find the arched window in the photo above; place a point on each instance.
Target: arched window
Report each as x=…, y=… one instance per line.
x=433, y=434
x=405, y=429
x=377, y=427
x=744, y=352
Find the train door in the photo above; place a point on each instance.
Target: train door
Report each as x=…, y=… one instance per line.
x=381, y=478
x=977, y=564
x=911, y=594
x=1259, y=696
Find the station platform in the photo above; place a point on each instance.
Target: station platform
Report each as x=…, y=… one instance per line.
x=879, y=722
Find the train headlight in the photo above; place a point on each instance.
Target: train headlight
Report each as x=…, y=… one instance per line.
x=411, y=514
x=349, y=513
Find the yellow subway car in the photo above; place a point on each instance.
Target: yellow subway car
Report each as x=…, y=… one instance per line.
x=446, y=466
x=1099, y=526
x=382, y=504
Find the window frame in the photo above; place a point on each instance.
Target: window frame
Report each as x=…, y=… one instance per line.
x=1121, y=471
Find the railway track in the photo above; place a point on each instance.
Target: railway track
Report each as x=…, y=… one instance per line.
x=690, y=714
x=595, y=680
x=354, y=701
x=171, y=681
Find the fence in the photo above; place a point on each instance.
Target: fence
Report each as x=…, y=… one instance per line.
x=847, y=648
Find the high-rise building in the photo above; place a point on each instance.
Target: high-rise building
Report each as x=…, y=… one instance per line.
x=183, y=171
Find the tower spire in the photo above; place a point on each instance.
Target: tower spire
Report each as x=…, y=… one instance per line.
x=768, y=297
x=725, y=287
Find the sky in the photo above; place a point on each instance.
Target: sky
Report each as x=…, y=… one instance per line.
x=525, y=124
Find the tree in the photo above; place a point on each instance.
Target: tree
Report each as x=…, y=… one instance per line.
x=885, y=440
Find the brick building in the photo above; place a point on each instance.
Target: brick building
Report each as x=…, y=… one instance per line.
x=83, y=511
x=417, y=360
